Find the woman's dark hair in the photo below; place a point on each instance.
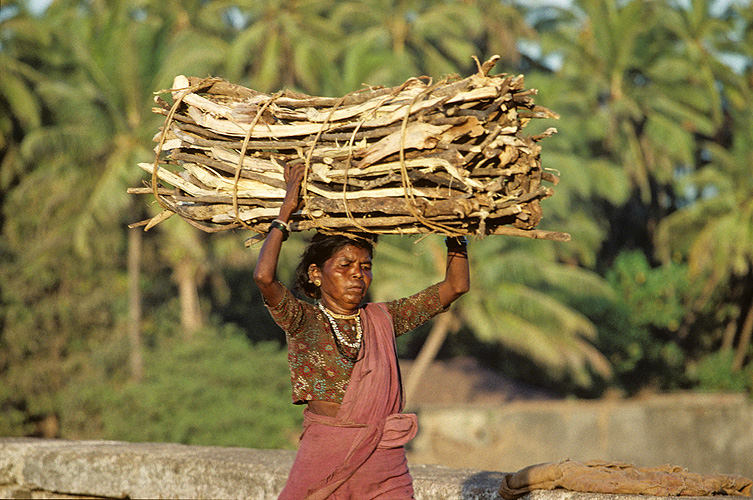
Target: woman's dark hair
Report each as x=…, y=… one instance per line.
x=323, y=246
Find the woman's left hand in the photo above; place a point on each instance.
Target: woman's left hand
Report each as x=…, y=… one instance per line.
x=457, y=279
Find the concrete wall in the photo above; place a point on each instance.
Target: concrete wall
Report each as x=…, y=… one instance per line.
x=48, y=468
x=704, y=433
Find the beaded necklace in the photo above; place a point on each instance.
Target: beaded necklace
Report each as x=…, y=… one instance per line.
x=340, y=339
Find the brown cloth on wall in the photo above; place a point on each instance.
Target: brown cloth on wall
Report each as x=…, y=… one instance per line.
x=620, y=478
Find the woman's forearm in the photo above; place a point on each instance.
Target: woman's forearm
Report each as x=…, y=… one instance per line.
x=457, y=279
x=266, y=264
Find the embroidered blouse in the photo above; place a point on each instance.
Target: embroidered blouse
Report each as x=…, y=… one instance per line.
x=318, y=371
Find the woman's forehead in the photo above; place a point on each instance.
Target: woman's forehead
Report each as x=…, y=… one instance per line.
x=352, y=252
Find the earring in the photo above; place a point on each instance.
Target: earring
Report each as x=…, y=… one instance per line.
x=317, y=282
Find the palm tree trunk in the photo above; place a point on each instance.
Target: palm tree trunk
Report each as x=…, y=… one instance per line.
x=186, y=275
x=728, y=339
x=428, y=353
x=744, y=343
x=134, y=304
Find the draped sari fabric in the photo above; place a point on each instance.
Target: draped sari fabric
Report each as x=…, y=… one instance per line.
x=359, y=453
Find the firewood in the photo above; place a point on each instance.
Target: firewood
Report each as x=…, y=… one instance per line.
x=423, y=157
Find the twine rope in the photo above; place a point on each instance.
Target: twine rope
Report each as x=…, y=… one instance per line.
x=410, y=199
x=242, y=156
x=169, y=119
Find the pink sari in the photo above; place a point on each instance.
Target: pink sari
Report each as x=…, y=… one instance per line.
x=359, y=453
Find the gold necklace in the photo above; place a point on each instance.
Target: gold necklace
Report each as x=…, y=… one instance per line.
x=338, y=335
x=338, y=316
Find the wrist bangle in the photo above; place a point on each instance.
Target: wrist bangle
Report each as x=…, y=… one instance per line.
x=456, y=243
x=282, y=227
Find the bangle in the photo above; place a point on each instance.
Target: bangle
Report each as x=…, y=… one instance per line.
x=456, y=243
x=282, y=226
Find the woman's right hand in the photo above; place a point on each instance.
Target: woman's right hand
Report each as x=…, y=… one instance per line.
x=266, y=265
x=293, y=179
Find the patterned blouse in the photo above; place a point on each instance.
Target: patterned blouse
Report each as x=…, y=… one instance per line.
x=318, y=371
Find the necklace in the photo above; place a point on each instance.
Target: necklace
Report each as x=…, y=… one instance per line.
x=339, y=316
x=338, y=335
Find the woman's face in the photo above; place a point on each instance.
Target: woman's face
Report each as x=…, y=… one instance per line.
x=345, y=278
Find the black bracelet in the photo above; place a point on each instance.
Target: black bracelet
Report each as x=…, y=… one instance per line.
x=456, y=243
x=282, y=226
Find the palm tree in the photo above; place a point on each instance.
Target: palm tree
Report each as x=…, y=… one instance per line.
x=519, y=299
x=638, y=105
x=529, y=301
x=104, y=105
x=20, y=108
x=715, y=231
x=278, y=44
x=698, y=34
x=390, y=41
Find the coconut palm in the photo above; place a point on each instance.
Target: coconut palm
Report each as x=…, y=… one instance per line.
x=639, y=106
x=390, y=41
x=22, y=36
x=715, y=231
x=103, y=107
x=521, y=298
x=697, y=34
x=276, y=44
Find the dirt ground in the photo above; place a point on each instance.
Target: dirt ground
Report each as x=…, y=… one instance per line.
x=463, y=381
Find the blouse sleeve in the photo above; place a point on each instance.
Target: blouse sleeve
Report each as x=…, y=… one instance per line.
x=289, y=314
x=411, y=312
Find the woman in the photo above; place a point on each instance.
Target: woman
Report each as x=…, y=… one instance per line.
x=343, y=360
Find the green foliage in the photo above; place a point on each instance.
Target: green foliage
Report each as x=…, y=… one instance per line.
x=519, y=298
x=714, y=373
x=217, y=390
x=653, y=295
x=53, y=303
x=653, y=152
x=21, y=109
x=639, y=337
x=404, y=39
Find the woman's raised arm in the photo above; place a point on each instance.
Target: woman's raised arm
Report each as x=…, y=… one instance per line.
x=457, y=279
x=266, y=265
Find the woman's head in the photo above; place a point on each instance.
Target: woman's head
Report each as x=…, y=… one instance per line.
x=322, y=248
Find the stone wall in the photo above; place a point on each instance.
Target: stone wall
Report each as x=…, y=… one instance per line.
x=48, y=468
x=706, y=434
x=703, y=433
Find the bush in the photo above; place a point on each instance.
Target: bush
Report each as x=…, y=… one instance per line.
x=216, y=390
x=714, y=373
x=640, y=334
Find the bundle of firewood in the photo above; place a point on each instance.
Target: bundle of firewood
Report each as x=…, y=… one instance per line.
x=448, y=157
